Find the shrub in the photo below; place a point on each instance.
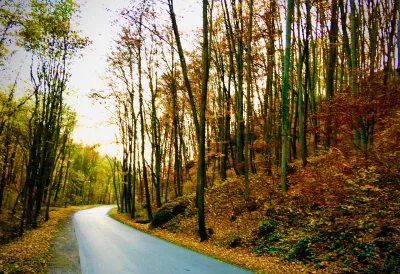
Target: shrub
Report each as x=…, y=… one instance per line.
x=266, y=227
x=300, y=251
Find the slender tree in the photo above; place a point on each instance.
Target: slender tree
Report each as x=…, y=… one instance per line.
x=285, y=87
x=201, y=164
x=248, y=105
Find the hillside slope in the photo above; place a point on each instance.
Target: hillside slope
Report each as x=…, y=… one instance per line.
x=340, y=215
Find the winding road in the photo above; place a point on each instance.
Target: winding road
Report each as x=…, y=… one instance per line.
x=108, y=246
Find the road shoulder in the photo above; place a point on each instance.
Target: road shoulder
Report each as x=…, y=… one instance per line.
x=65, y=251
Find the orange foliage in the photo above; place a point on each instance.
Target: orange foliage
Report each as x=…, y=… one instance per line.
x=366, y=111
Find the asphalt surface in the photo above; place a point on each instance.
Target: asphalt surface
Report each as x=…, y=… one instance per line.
x=65, y=251
x=108, y=246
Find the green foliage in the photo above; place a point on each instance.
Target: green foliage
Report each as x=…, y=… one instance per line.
x=47, y=30
x=267, y=238
x=11, y=14
x=364, y=252
x=268, y=249
x=392, y=263
x=266, y=227
x=13, y=268
x=337, y=242
x=301, y=251
x=233, y=240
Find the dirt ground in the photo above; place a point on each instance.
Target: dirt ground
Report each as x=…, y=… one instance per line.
x=65, y=251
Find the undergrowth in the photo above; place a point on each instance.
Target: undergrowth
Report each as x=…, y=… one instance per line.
x=341, y=213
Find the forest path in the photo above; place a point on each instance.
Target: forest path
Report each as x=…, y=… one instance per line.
x=108, y=246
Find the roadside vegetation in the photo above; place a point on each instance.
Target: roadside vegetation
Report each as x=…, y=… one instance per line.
x=31, y=253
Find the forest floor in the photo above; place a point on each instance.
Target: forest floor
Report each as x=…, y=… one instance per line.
x=340, y=215
x=33, y=251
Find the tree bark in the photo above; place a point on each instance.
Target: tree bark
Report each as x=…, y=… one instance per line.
x=285, y=86
x=201, y=164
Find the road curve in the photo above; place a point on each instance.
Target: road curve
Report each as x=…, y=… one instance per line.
x=108, y=246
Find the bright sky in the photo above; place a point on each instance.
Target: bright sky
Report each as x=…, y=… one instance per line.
x=93, y=119
x=96, y=17
x=96, y=23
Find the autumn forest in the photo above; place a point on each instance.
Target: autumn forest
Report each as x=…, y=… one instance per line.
x=272, y=130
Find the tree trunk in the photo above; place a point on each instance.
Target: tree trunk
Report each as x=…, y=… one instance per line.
x=248, y=105
x=201, y=164
x=285, y=86
x=332, y=60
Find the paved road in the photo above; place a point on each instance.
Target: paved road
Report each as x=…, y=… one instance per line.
x=108, y=246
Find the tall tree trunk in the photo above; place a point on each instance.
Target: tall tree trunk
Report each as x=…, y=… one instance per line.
x=390, y=43
x=398, y=43
x=183, y=66
x=201, y=164
x=134, y=169
x=177, y=164
x=310, y=79
x=300, y=101
x=3, y=167
x=332, y=60
x=269, y=100
x=248, y=105
x=300, y=107
x=142, y=128
x=238, y=16
x=285, y=86
x=156, y=142
x=231, y=78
